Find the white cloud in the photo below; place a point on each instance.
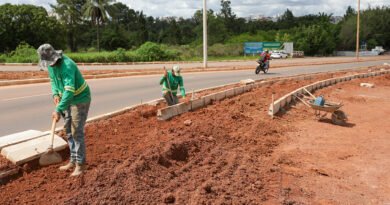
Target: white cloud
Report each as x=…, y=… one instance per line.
x=243, y=8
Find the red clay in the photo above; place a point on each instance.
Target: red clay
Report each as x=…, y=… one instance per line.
x=230, y=153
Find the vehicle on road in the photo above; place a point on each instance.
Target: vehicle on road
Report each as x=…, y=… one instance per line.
x=261, y=67
x=278, y=54
x=379, y=50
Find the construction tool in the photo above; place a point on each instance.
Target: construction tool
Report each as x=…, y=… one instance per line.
x=50, y=156
x=169, y=85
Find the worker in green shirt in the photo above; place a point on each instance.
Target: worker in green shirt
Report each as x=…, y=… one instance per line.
x=72, y=97
x=170, y=82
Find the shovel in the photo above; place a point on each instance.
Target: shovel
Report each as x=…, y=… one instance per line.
x=169, y=85
x=50, y=156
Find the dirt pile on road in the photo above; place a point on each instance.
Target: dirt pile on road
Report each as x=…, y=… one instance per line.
x=225, y=155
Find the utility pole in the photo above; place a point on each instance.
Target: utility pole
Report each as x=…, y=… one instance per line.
x=357, y=30
x=204, y=34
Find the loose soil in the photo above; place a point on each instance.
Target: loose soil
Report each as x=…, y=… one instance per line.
x=231, y=152
x=322, y=163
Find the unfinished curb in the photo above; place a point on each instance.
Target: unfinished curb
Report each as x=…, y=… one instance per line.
x=171, y=111
x=286, y=99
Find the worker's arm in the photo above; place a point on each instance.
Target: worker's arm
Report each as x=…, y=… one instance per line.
x=182, y=90
x=69, y=89
x=162, y=80
x=54, y=90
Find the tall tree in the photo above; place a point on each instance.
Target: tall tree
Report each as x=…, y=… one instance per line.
x=349, y=12
x=287, y=20
x=98, y=11
x=228, y=16
x=30, y=24
x=70, y=15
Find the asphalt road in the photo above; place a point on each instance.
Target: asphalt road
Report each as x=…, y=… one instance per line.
x=29, y=106
x=186, y=65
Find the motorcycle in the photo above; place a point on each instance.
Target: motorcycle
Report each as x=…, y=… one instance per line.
x=261, y=67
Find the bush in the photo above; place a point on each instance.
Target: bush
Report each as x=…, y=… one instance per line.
x=154, y=52
x=24, y=53
x=120, y=55
x=3, y=58
x=150, y=52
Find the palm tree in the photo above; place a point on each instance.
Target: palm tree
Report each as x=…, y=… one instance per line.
x=70, y=14
x=98, y=11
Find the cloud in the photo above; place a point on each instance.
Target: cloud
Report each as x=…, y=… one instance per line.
x=243, y=8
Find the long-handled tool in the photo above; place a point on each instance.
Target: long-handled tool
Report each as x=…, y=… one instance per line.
x=50, y=156
x=169, y=86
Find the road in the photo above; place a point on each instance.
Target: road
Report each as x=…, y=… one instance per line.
x=29, y=106
x=211, y=64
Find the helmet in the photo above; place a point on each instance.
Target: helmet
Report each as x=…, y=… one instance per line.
x=266, y=50
x=176, y=70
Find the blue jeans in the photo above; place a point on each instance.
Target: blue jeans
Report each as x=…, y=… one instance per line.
x=75, y=118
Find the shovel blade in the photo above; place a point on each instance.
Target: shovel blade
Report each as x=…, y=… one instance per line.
x=50, y=158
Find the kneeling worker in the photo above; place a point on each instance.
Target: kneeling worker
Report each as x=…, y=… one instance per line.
x=170, y=82
x=72, y=98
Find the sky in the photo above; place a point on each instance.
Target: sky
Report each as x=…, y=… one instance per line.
x=242, y=8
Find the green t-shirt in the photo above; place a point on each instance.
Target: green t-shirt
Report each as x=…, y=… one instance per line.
x=68, y=83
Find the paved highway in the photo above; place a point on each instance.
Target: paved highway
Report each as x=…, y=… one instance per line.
x=29, y=106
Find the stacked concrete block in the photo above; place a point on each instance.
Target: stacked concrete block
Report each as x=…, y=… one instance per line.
x=239, y=90
x=171, y=111
x=247, y=88
x=196, y=104
x=208, y=99
x=183, y=108
x=230, y=93
x=19, y=137
x=287, y=100
x=166, y=113
x=309, y=88
x=32, y=149
x=220, y=95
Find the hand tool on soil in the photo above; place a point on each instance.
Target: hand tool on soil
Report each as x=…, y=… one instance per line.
x=50, y=156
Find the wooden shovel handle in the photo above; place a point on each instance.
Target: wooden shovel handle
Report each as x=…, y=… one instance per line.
x=53, y=127
x=314, y=97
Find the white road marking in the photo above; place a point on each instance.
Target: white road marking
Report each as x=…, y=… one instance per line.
x=17, y=98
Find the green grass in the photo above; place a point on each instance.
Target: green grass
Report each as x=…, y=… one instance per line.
x=148, y=52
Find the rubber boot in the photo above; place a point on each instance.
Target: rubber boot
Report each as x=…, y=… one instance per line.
x=80, y=168
x=68, y=166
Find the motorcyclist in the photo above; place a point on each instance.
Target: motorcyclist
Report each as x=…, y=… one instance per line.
x=264, y=58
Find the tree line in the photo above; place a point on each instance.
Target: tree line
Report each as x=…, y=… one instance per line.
x=90, y=25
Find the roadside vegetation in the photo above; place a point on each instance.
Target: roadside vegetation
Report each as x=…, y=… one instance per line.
x=126, y=35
